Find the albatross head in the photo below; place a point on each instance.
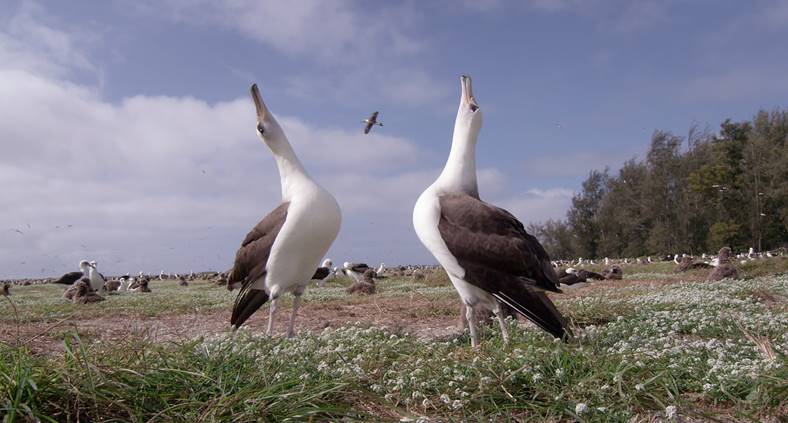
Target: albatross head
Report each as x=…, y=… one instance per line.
x=84, y=265
x=469, y=116
x=93, y=264
x=268, y=128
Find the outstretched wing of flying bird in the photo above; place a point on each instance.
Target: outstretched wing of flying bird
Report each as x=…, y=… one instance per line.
x=373, y=119
x=250, y=264
x=500, y=257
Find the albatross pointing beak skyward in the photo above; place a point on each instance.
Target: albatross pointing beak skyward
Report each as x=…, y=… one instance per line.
x=280, y=254
x=489, y=257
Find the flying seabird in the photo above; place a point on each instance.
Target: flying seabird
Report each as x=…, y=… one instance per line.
x=281, y=253
x=485, y=250
x=370, y=122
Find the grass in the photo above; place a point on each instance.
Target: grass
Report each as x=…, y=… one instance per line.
x=644, y=352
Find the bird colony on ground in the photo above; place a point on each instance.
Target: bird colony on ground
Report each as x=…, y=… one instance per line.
x=497, y=268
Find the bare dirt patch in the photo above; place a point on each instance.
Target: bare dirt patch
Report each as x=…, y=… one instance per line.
x=424, y=317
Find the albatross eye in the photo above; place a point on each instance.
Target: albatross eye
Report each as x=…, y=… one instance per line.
x=260, y=128
x=474, y=107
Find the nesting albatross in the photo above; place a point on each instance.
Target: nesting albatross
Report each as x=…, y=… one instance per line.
x=489, y=257
x=281, y=253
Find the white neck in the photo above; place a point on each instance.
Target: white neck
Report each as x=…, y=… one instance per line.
x=459, y=174
x=291, y=171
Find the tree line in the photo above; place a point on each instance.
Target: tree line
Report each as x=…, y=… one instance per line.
x=688, y=195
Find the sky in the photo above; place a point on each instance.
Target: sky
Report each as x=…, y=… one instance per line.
x=127, y=134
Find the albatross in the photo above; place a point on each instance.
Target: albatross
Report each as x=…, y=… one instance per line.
x=71, y=277
x=281, y=253
x=489, y=257
x=370, y=122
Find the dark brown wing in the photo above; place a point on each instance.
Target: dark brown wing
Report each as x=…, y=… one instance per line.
x=477, y=231
x=251, y=261
x=587, y=274
x=360, y=267
x=500, y=257
x=370, y=122
x=321, y=273
x=69, y=278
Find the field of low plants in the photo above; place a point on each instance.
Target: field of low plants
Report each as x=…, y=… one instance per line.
x=654, y=347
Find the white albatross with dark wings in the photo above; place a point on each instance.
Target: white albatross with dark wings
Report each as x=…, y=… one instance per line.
x=489, y=257
x=281, y=253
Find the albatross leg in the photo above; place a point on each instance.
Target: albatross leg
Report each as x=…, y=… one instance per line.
x=291, y=324
x=472, y=326
x=271, y=312
x=501, y=321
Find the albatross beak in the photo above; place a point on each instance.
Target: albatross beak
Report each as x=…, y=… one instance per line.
x=467, y=92
x=262, y=111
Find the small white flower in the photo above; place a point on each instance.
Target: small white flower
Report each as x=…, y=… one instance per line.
x=708, y=387
x=581, y=408
x=456, y=405
x=445, y=398
x=670, y=412
x=639, y=387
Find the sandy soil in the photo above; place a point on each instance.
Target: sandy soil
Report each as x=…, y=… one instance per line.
x=427, y=318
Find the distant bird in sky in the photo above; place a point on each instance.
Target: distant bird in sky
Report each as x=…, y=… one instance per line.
x=280, y=254
x=370, y=122
x=18, y=231
x=488, y=255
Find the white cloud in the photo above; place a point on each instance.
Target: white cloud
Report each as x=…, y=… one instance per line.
x=151, y=182
x=151, y=171
x=312, y=28
x=27, y=43
x=537, y=205
x=364, y=55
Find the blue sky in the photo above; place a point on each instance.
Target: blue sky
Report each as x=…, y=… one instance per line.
x=130, y=121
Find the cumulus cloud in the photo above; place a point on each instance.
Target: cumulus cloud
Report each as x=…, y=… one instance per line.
x=150, y=182
x=161, y=165
x=538, y=205
x=362, y=53
x=28, y=43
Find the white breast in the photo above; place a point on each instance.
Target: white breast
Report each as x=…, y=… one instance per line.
x=312, y=223
x=426, y=216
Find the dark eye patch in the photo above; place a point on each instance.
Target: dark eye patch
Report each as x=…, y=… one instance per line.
x=260, y=128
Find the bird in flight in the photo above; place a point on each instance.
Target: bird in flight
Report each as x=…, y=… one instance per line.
x=370, y=122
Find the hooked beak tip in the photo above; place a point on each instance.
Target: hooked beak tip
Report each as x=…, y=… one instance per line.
x=258, y=103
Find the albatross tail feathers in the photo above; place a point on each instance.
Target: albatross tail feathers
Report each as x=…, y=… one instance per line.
x=540, y=310
x=247, y=302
